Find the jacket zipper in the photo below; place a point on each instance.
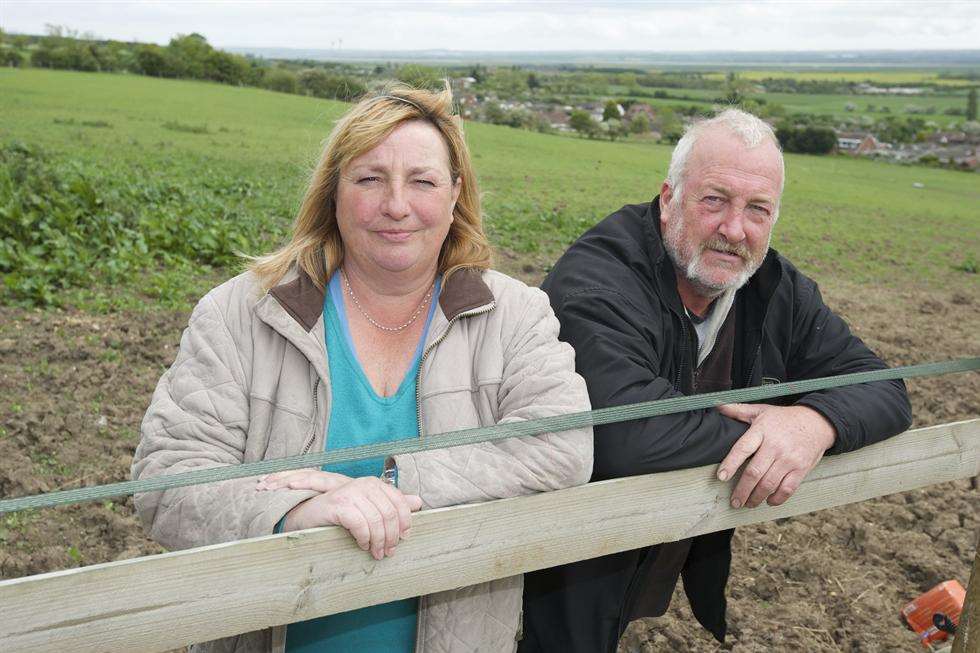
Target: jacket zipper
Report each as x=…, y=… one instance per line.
x=418, y=385
x=418, y=415
x=316, y=409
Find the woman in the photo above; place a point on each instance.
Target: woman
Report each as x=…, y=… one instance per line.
x=378, y=321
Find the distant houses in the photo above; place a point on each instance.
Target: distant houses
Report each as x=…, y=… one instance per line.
x=856, y=143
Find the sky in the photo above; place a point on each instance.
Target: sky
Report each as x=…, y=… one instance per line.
x=657, y=26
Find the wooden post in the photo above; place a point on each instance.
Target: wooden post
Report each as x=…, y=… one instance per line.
x=968, y=633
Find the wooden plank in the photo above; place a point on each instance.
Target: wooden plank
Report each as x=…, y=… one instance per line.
x=161, y=602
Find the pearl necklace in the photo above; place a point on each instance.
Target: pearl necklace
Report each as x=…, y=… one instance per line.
x=415, y=315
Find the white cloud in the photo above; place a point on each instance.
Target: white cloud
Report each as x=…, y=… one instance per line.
x=652, y=26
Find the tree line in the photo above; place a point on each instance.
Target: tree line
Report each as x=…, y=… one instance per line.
x=186, y=56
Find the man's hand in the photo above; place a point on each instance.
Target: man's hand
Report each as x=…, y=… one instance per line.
x=784, y=444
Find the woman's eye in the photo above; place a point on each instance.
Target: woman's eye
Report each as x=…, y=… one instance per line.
x=366, y=180
x=425, y=182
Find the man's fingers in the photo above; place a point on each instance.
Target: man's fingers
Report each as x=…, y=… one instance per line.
x=766, y=485
x=754, y=472
x=743, y=448
x=791, y=483
x=742, y=412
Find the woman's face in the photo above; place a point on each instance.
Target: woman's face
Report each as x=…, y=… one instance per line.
x=395, y=203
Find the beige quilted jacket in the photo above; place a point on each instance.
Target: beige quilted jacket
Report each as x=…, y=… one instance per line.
x=251, y=382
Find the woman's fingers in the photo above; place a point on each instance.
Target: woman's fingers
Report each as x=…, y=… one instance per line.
x=376, y=514
x=279, y=479
x=403, y=505
x=303, y=479
x=388, y=508
x=318, y=481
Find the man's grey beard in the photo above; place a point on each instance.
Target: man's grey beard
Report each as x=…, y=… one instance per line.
x=694, y=271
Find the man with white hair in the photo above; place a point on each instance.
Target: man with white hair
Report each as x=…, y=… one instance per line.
x=684, y=296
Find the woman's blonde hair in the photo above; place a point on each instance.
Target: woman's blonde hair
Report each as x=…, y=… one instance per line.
x=316, y=246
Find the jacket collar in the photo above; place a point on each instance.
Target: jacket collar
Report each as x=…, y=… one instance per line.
x=302, y=299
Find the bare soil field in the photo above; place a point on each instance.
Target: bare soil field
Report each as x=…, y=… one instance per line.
x=73, y=388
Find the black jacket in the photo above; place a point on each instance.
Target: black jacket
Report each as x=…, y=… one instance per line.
x=615, y=293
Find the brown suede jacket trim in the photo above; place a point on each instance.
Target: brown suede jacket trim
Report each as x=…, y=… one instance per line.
x=303, y=300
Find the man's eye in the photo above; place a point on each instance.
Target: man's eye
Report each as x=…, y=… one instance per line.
x=713, y=199
x=758, y=208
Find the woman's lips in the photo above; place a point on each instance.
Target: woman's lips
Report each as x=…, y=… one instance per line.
x=395, y=236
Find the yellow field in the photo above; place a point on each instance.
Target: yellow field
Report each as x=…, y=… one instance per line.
x=881, y=76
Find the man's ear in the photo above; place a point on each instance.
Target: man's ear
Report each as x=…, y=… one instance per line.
x=666, y=194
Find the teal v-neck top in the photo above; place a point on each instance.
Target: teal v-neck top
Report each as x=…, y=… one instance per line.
x=358, y=416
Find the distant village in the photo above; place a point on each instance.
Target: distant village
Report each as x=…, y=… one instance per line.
x=955, y=149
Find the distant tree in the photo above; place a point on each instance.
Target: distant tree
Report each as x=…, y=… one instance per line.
x=582, y=122
x=614, y=128
x=807, y=140
x=639, y=124
x=419, y=76
x=971, y=104
x=611, y=111
x=152, y=60
x=735, y=89
x=226, y=68
x=279, y=79
x=532, y=82
x=319, y=83
x=479, y=73
x=188, y=55
x=494, y=114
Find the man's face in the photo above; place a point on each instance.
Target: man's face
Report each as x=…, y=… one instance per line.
x=718, y=232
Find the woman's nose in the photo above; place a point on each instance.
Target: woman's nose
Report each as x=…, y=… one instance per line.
x=396, y=204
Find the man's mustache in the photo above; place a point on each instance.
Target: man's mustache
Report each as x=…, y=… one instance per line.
x=719, y=244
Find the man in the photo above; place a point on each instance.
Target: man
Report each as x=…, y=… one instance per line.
x=684, y=296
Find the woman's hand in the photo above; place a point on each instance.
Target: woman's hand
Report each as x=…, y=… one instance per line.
x=303, y=479
x=376, y=514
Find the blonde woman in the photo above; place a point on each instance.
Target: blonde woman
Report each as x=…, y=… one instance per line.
x=379, y=320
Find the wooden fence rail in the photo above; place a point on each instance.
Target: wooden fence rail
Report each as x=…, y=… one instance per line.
x=165, y=601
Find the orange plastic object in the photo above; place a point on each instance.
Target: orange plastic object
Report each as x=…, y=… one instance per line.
x=944, y=599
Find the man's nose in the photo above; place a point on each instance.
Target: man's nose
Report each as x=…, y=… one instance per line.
x=733, y=226
x=395, y=205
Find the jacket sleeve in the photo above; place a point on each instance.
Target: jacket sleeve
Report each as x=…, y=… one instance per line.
x=198, y=418
x=621, y=363
x=824, y=346
x=539, y=380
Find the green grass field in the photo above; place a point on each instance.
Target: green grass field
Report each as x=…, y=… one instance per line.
x=198, y=161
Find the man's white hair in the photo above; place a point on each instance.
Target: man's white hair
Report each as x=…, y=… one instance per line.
x=752, y=130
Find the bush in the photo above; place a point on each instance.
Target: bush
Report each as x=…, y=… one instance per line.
x=62, y=227
x=807, y=140
x=320, y=83
x=281, y=80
